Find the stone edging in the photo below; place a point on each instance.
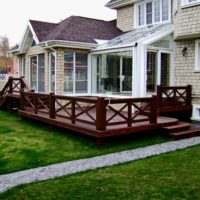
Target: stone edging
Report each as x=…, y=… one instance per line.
x=57, y=170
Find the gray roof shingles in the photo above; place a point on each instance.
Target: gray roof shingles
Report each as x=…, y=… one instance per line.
x=76, y=29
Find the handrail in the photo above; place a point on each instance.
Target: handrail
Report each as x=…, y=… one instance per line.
x=91, y=110
x=176, y=96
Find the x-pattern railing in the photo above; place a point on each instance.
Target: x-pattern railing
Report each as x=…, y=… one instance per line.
x=174, y=96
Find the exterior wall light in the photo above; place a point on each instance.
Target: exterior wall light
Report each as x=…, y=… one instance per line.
x=184, y=51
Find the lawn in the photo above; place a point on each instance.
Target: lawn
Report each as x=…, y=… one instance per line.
x=27, y=144
x=173, y=176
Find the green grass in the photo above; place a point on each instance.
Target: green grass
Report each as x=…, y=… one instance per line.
x=27, y=144
x=171, y=176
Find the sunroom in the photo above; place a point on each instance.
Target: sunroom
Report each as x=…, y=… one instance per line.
x=133, y=64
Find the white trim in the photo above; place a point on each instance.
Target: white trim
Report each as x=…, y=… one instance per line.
x=186, y=3
x=196, y=112
x=68, y=44
x=197, y=56
x=136, y=14
x=89, y=73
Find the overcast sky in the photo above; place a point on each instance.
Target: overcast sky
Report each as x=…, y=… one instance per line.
x=14, y=14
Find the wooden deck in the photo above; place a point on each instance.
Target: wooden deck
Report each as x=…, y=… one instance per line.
x=99, y=117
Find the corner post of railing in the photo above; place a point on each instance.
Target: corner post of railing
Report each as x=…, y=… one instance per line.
x=129, y=112
x=52, y=106
x=22, y=100
x=174, y=96
x=101, y=114
x=73, y=113
x=10, y=81
x=189, y=95
x=21, y=84
x=154, y=110
x=159, y=95
x=35, y=101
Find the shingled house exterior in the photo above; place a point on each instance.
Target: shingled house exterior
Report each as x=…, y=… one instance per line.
x=152, y=42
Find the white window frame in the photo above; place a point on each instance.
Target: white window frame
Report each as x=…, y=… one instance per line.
x=187, y=3
x=136, y=11
x=197, y=56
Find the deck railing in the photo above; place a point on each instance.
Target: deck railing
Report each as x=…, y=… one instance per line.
x=13, y=86
x=174, y=97
x=96, y=111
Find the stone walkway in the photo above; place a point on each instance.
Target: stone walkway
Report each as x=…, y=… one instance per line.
x=56, y=170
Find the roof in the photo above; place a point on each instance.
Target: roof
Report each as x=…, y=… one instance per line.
x=42, y=29
x=76, y=29
x=129, y=39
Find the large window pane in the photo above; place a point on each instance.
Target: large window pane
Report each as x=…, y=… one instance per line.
x=41, y=72
x=149, y=13
x=52, y=72
x=68, y=71
x=112, y=83
x=157, y=11
x=81, y=73
x=151, y=71
x=141, y=15
x=165, y=10
x=127, y=74
x=165, y=69
x=33, y=69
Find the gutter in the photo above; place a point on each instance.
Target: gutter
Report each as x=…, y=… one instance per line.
x=69, y=44
x=120, y=3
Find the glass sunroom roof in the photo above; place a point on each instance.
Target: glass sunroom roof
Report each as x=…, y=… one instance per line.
x=130, y=38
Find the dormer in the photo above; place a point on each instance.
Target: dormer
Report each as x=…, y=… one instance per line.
x=138, y=14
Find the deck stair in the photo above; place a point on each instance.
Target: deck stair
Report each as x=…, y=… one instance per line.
x=181, y=130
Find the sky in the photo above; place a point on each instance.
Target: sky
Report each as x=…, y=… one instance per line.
x=14, y=14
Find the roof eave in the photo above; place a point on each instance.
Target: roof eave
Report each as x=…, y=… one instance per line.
x=68, y=44
x=120, y=3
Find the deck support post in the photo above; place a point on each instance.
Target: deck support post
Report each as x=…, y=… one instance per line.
x=100, y=142
x=73, y=112
x=35, y=103
x=189, y=95
x=154, y=110
x=129, y=113
x=21, y=100
x=101, y=114
x=52, y=106
x=10, y=85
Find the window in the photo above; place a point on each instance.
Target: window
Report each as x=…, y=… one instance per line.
x=153, y=12
x=22, y=66
x=37, y=72
x=75, y=72
x=197, y=55
x=189, y=2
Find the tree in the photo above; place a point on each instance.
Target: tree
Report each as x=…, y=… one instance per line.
x=5, y=58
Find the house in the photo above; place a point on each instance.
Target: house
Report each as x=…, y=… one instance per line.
x=153, y=42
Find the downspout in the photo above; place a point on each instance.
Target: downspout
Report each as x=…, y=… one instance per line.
x=46, y=44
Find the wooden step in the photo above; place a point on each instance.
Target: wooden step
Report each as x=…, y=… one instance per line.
x=192, y=132
x=180, y=126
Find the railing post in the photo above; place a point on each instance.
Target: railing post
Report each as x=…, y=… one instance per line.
x=174, y=97
x=52, y=106
x=154, y=110
x=189, y=95
x=129, y=113
x=22, y=100
x=10, y=85
x=35, y=103
x=73, y=118
x=101, y=114
x=159, y=95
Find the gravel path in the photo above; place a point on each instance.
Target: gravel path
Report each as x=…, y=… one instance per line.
x=56, y=170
